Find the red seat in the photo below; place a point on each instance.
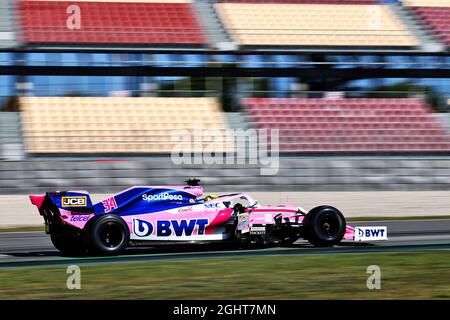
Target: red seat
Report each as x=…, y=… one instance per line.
x=437, y=19
x=350, y=125
x=111, y=22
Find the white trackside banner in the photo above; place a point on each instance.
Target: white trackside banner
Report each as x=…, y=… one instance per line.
x=370, y=233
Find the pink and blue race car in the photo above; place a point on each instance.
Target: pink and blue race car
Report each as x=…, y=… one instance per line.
x=146, y=214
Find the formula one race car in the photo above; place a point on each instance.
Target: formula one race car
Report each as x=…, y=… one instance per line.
x=178, y=213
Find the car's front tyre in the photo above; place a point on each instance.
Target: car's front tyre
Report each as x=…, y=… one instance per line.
x=107, y=235
x=324, y=226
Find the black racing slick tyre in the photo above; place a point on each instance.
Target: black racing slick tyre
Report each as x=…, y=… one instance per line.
x=68, y=245
x=324, y=226
x=107, y=235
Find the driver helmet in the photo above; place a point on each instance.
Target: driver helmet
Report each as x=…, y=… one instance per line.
x=211, y=196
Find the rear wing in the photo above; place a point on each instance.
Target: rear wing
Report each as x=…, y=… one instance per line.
x=75, y=201
x=37, y=200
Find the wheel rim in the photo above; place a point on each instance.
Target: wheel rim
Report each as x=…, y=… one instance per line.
x=329, y=225
x=111, y=235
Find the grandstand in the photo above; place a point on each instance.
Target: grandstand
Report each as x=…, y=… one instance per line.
x=187, y=23
x=81, y=125
x=313, y=69
x=73, y=125
x=76, y=125
x=313, y=23
x=114, y=22
x=435, y=15
x=349, y=124
x=200, y=24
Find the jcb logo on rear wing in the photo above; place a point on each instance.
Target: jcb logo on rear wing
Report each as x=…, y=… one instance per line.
x=75, y=201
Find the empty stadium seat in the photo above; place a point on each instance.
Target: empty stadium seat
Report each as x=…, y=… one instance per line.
x=304, y=1
x=435, y=14
x=59, y=125
x=426, y=3
x=320, y=125
x=313, y=23
x=113, y=22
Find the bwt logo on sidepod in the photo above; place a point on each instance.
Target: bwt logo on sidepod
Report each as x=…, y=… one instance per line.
x=166, y=228
x=370, y=233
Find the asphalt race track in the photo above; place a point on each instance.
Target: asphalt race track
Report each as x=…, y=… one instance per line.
x=29, y=249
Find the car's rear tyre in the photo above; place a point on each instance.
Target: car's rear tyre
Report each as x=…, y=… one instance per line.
x=107, y=235
x=68, y=245
x=324, y=226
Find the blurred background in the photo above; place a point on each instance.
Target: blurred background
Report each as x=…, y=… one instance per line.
x=90, y=92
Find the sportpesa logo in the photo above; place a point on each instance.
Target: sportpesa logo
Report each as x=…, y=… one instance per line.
x=161, y=196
